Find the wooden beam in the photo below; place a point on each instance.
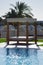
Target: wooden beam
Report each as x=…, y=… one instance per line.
x=7, y=33
x=35, y=33
x=17, y=32
x=27, y=34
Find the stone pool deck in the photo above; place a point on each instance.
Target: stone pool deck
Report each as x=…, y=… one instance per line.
x=3, y=45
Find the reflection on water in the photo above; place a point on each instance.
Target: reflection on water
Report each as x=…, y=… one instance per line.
x=21, y=51
x=21, y=56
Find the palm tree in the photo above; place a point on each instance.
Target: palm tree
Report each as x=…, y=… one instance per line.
x=11, y=14
x=22, y=9
x=19, y=10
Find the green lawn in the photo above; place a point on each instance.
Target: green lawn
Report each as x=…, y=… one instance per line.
x=40, y=40
x=40, y=45
x=2, y=40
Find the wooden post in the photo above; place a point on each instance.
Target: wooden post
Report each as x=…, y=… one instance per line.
x=27, y=34
x=7, y=33
x=17, y=32
x=35, y=33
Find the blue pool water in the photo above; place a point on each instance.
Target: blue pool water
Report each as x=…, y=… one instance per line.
x=19, y=56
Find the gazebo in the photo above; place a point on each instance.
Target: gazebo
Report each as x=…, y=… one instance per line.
x=27, y=37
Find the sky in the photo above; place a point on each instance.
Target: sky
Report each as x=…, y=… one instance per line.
x=36, y=5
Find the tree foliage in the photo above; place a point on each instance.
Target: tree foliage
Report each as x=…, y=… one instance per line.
x=19, y=10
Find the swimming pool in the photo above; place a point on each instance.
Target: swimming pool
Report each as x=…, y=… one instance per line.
x=21, y=56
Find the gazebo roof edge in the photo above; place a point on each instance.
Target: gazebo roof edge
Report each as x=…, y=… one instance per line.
x=21, y=19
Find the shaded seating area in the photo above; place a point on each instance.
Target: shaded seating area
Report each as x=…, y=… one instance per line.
x=27, y=38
